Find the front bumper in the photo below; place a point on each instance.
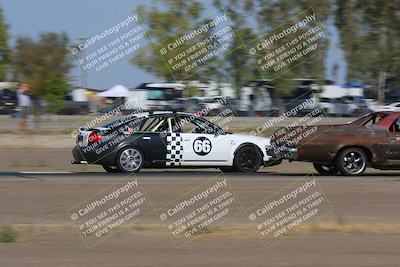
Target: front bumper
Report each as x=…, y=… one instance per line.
x=283, y=152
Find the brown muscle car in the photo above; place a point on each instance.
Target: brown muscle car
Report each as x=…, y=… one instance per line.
x=348, y=149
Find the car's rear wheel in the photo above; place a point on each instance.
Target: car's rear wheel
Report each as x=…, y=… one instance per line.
x=130, y=159
x=352, y=161
x=247, y=159
x=111, y=169
x=324, y=169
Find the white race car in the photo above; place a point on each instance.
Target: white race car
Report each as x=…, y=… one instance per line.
x=168, y=139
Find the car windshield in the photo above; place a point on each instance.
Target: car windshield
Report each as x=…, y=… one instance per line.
x=369, y=119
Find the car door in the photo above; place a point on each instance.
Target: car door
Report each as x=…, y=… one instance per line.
x=153, y=138
x=394, y=141
x=202, y=146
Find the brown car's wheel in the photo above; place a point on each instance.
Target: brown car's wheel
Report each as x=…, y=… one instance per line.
x=325, y=169
x=247, y=159
x=352, y=161
x=111, y=169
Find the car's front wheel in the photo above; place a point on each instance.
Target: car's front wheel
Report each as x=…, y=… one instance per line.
x=352, y=161
x=324, y=169
x=130, y=159
x=247, y=159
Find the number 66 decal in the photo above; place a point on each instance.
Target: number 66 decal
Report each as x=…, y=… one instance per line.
x=202, y=146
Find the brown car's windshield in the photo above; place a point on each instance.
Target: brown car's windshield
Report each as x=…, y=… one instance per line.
x=369, y=119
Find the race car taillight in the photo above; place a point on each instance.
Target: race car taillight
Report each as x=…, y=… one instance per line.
x=94, y=137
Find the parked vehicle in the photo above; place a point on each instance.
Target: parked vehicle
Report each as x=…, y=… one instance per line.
x=334, y=107
x=372, y=140
x=392, y=107
x=8, y=102
x=71, y=107
x=344, y=101
x=356, y=105
x=258, y=96
x=158, y=96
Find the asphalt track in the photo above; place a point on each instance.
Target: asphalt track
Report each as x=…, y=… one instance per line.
x=363, y=228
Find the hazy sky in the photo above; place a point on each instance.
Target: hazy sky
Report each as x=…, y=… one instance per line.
x=82, y=18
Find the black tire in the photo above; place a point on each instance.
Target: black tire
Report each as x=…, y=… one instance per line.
x=352, y=161
x=111, y=169
x=325, y=169
x=130, y=159
x=247, y=159
x=227, y=169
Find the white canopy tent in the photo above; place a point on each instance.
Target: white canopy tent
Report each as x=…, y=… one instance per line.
x=115, y=91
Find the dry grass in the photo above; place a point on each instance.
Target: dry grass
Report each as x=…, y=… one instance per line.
x=231, y=230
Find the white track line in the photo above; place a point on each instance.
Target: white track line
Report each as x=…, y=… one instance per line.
x=36, y=172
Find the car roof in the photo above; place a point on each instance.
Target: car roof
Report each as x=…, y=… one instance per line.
x=147, y=114
x=397, y=113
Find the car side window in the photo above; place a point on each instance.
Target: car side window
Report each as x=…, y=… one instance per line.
x=190, y=124
x=134, y=125
x=395, y=127
x=156, y=124
x=186, y=125
x=126, y=124
x=175, y=127
x=374, y=119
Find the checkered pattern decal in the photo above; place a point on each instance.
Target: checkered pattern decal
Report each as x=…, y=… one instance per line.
x=174, y=149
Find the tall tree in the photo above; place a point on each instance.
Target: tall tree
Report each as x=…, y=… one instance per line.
x=371, y=40
x=239, y=65
x=44, y=65
x=4, y=49
x=264, y=16
x=165, y=20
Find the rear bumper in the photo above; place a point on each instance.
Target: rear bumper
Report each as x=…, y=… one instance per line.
x=90, y=157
